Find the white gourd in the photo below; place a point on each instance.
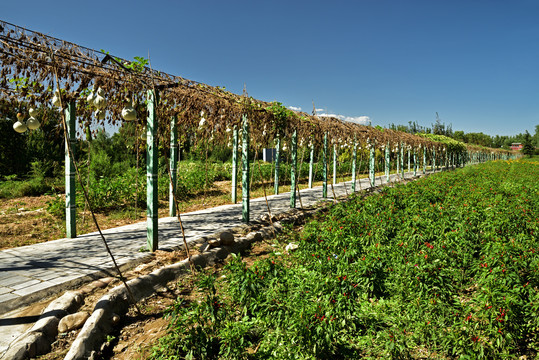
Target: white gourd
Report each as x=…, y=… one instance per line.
x=91, y=97
x=100, y=114
x=33, y=113
x=201, y=123
x=32, y=123
x=99, y=101
x=19, y=126
x=129, y=113
x=56, y=100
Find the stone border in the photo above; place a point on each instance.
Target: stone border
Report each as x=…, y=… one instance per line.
x=115, y=303
x=39, y=338
x=102, y=321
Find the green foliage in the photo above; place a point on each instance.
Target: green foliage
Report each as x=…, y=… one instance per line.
x=528, y=148
x=114, y=192
x=138, y=64
x=17, y=188
x=445, y=267
x=281, y=115
x=18, y=151
x=452, y=145
x=57, y=207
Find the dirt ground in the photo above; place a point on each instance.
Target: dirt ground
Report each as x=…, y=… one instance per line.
x=26, y=220
x=136, y=334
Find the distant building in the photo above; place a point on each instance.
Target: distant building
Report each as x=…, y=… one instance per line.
x=516, y=146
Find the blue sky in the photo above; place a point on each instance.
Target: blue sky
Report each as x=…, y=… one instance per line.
x=475, y=62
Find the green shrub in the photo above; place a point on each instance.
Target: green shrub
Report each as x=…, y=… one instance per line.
x=16, y=188
x=57, y=207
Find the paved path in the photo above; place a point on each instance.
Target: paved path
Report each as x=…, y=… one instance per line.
x=31, y=273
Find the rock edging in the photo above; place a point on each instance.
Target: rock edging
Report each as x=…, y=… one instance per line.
x=39, y=338
x=115, y=302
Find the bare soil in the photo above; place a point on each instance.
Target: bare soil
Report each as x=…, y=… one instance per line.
x=26, y=220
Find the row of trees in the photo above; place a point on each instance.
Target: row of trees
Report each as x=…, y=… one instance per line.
x=497, y=141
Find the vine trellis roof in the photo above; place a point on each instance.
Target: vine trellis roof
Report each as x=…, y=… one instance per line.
x=29, y=61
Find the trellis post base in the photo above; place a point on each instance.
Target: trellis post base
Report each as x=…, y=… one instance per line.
x=173, y=166
x=235, y=165
x=293, y=169
x=70, y=184
x=325, y=168
x=151, y=173
x=245, y=171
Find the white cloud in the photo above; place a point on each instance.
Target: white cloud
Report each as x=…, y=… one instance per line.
x=319, y=110
x=362, y=120
x=294, y=108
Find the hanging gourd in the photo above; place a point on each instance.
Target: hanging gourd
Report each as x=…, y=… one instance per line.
x=32, y=123
x=19, y=126
x=202, y=121
x=91, y=97
x=99, y=101
x=143, y=136
x=100, y=114
x=56, y=99
x=129, y=113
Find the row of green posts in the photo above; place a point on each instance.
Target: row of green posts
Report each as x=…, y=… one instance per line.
x=453, y=159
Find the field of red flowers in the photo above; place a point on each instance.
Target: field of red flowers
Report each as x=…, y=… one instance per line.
x=445, y=267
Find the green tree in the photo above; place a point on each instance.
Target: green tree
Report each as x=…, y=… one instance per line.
x=528, y=148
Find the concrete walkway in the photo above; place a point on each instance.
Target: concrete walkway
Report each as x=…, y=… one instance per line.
x=32, y=273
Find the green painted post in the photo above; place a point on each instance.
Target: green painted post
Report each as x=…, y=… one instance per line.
x=325, y=169
x=173, y=166
x=311, y=166
x=151, y=173
x=371, y=165
x=245, y=172
x=433, y=159
x=398, y=161
x=402, y=161
x=277, y=161
x=408, y=159
x=415, y=162
x=334, y=164
x=424, y=160
x=70, y=184
x=293, y=169
x=354, y=159
x=235, y=164
x=388, y=164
